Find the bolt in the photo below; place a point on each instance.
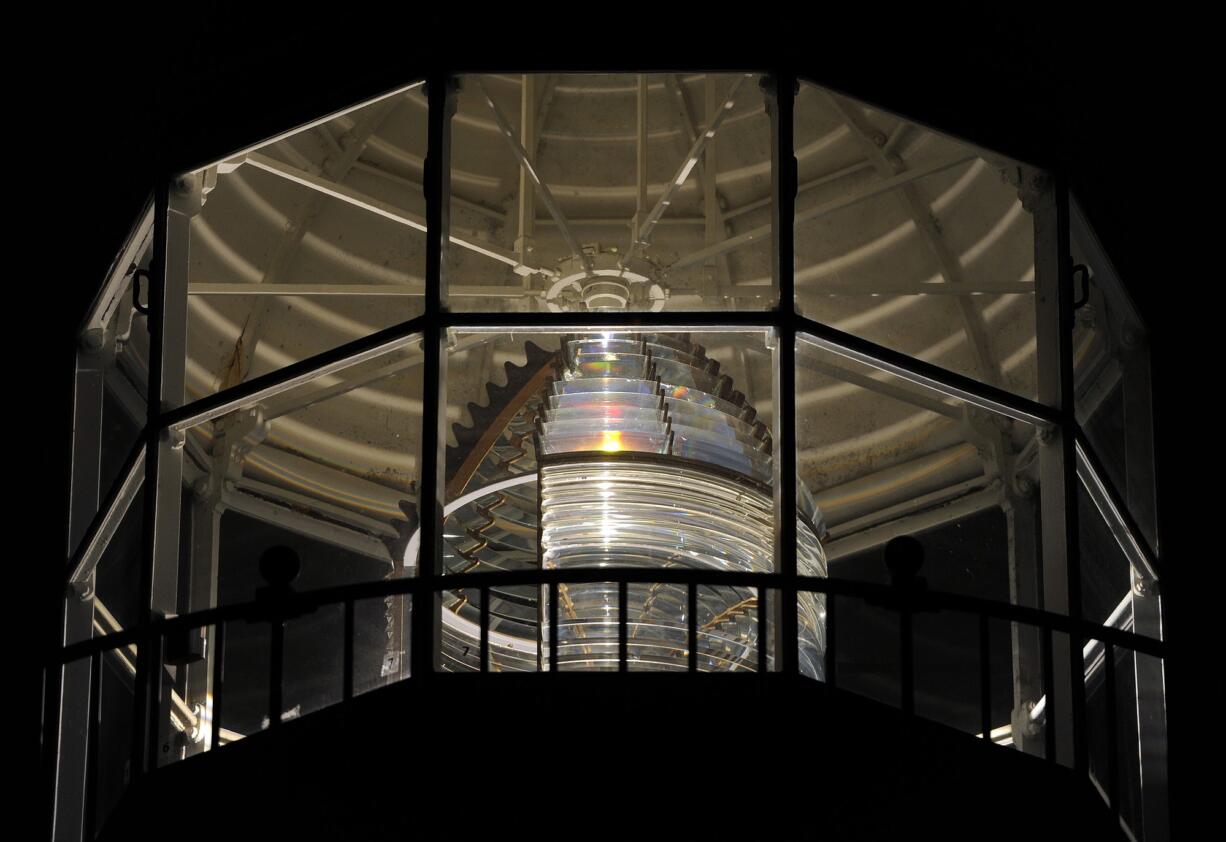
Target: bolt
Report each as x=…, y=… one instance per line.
x=1144, y=587
x=83, y=590
x=92, y=339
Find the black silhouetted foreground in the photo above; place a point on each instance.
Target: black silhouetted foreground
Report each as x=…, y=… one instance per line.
x=597, y=755
x=639, y=756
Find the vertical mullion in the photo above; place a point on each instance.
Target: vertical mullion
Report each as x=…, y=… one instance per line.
x=623, y=656
x=783, y=176
x=145, y=664
x=906, y=656
x=1061, y=577
x=832, y=641
x=219, y=676
x=1053, y=704
x=276, y=669
x=94, y=720
x=553, y=626
x=485, y=629
x=985, y=677
x=763, y=631
x=426, y=617
x=1113, y=774
x=71, y=727
x=691, y=622
x=1068, y=441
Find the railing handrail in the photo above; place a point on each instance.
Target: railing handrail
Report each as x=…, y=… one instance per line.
x=921, y=599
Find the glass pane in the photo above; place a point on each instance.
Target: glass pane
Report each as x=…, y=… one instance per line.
x=328, y=468
x=111, y=383
x=948, y=675
x=1134, y=732
x=307, y=243
x=244, y=695
x=1106, y=575
x=574, y=192
x=314, y=660
x=638, y=449
x=914, y=241
x=885, y=457
x=867, y=651
x=1111, y=373
x=380, y=642
x=113, y=771
x=108, y=600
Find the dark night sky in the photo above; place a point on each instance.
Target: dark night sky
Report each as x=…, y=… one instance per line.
x=122, y=95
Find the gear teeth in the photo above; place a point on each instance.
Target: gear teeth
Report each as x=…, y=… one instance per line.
x=468, y=435
x=397, y=546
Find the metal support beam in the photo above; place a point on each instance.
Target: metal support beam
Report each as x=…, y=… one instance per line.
x=951, y=269
x=333, y=188
x=410, y=290
x=1048, y=201
x=712, y=201
x=1025, y=589
x=718, y=273
x=204, y=564
x=1148, y=672
x=643, y=231
x=118, y=280
x=887, y=386
x=323, y=184
x=76, y=679
x=148, y=667
x=426, y=617
x=521, y=155
x=919, y=519
x=868, y=191
x=526, y=222
x=780, y=91
x=321, y=530
x=640, y=158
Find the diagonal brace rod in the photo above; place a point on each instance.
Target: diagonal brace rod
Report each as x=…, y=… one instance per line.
x=642, y=237
x=550, y=203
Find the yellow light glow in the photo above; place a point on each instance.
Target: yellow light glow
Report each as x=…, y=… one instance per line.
x=612, y=441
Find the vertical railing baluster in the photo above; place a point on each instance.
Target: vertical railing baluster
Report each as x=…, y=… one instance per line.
x=94, y=724
x=347, y=659
x=276, y=666
x=153, y=721
x=691, y=618
x=763, y=632
x=906, y=653
x=985, y=678
x=1049, y=719
x=219, y=677
x=832, y=641
x=623, y=645
x=553, y=625
x=144, y=708
x=426, y=634
x=1113, y=773
x=485, y=629
x=782, y=88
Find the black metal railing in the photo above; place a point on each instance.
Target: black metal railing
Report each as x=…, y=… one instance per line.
x=905, y=596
